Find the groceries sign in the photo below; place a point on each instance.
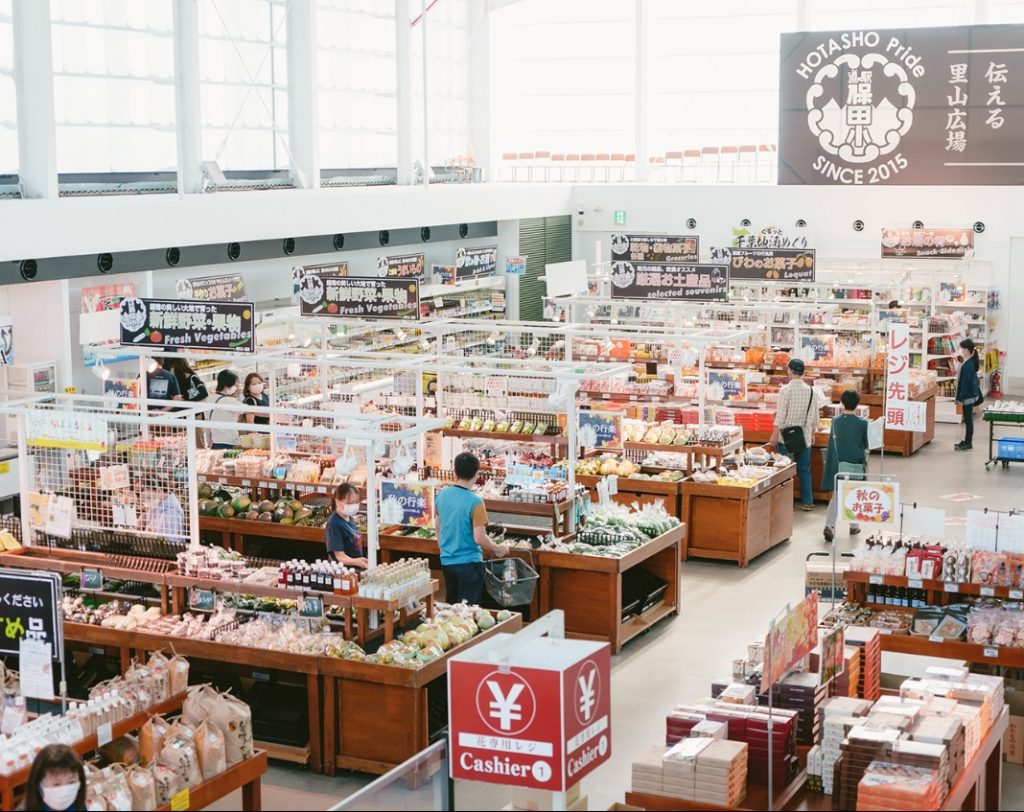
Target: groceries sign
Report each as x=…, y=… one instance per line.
x=914, y=106
x=544, y=724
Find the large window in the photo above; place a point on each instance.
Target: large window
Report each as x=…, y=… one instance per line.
x=113, y=85
x=8, y=104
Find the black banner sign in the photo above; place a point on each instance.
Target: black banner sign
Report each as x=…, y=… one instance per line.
x=225, y=288
x=645, y=280
x=407, y=265
x=476, y=261
x=30, y=607
x=927, y=243
x=345, y=297
x=187, y=324
x=767, y=263
x=653, y=248
x=914, y=106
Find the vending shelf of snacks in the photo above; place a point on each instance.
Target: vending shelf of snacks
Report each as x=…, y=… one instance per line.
x=612, y=598
x=378, y=715
x=736, y=517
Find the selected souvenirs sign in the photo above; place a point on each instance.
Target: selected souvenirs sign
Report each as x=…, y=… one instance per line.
x=225, y=288
x=927, y=243
x=187, y=324
x=359, y=297
x=654, y=248
x=406, y=265
x=476, y=261
x=915, y=106
x=785, y=264
x=644, y=280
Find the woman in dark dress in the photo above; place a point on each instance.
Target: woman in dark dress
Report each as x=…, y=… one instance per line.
x=968, y=391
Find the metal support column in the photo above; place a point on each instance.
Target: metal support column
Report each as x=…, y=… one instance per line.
x=33, y=87
x=643, y=166
x=188, y=125
x=403, y=91
x=480, y=143
x=304, y=165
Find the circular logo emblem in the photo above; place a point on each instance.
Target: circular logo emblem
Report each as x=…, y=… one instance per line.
x=620, y=244
x=382, y=267
x=859, y=106
x=587, y=693
x=623, y=274
x=133, y=314
x=460, y=258
x=311, y=289
x=506, y=703
x=184, y=289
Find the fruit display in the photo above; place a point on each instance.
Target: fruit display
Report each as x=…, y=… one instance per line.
x=606, y=465
x=234, y=503
x=664, y=433
x=612, y=530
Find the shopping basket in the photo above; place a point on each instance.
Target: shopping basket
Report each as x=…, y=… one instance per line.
x=510, y=581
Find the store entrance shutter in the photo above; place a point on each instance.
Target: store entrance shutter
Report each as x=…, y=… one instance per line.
x=542, y=240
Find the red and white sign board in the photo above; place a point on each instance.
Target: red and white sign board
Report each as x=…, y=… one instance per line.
x=901, y=413
x=542, y=721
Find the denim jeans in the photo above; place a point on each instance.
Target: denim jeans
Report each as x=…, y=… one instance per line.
x=803, y=472
x=464, y=582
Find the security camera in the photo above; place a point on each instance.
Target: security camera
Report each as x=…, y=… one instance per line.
x=801, y=224
x=579, y=212
x=745, y=222
x=979, y=227
x=691, y=223
x=858, y=225
x=918, y=224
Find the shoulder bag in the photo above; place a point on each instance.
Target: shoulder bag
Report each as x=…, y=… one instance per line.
x=793, y=438
x=196, y=389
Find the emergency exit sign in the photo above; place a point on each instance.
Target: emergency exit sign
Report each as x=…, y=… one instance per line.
x=620, y=217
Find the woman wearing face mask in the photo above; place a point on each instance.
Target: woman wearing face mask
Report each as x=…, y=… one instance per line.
x=968, y=391
x=341, y=535
x=56, y=780
x=254, y=393
x=227, y=388
x=164, y=514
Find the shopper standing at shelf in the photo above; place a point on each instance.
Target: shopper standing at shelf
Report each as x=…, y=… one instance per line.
x=341, y=534
x=56, y=780
x=462, y=534
x=846, y=454
x=227, y=388
x=796, y=418
x=968, y=391
x=254, y=393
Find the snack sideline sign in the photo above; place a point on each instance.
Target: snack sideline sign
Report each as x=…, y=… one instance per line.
x=927, y=243
x=911, y=106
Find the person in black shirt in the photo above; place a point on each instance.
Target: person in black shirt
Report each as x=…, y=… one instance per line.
x=254, y=393
x=341, y=535
x=161, y=385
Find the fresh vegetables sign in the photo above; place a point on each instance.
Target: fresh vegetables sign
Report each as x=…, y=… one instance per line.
x=871, y=503
x=359, y=297
x=599, y=430
x=407, y=503
x=187, y=324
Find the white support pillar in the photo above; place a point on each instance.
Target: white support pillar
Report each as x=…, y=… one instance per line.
x=803, y=15
x=480, y=112
x=643, y=167
x=188, y=124
x=426, y=96
x=403, y=91
x=33, y=86
x=981, y=12
x=302, y=95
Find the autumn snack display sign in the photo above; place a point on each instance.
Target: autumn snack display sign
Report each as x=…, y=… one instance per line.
x=873, y=503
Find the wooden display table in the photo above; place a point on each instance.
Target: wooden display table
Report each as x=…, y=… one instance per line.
x=588, y=589
x=377, y=716
x=906, y=442
x=246, y=775
x=234, y=533
x=734, y=523
x=641, y=491
x=556, y=512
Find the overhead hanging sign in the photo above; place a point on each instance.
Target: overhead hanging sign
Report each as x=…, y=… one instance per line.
x=406, y=265
x=106, y=297
x=599, y=430
x=187, y=324
x=444, y=274
x=641, y=280
x=654, y=248
x=359, y=297
x=784, y=264
x=476, y=261
x=927, y=243
x=225, y=288
x=406, y=503
x=30, y=608
x=914, y=106
x=752, y=236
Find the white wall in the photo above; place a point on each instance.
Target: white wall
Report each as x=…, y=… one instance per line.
x=829, y=212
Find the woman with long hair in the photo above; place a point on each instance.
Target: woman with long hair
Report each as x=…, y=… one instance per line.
x=968, y=391
x=56, y=780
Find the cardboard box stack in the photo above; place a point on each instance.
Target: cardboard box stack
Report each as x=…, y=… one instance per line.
x=861, y=746
x=702, y=770
x=848, y=683
x=539, y=800
x=838, y=716
x=897, y=786
x=869, y=642
x=804, y=693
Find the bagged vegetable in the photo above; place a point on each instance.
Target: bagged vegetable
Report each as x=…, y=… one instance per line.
x=151, y=738
x=228, y=713
x=213, y=758
x=143, y=789
x=179, y=754
x=167, y=784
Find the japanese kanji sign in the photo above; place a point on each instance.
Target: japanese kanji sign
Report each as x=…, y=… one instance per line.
x=927, y=243
x=541, y=721
x=873, y=503
x=648, y=280
x=407, y=503
x=599, y=430
x=728, y=386
x=476, y=261
x=901, y=413
x=406, y=265
x=30, y=608
x=767, y=263
x=225, y=288
x=359, y=297
x=654, y=248
x=917, y=106
x=187, y=324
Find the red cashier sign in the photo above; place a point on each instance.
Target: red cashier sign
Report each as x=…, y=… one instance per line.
x=544, y=724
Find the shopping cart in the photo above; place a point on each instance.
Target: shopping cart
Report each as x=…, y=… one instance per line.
x=510, y=581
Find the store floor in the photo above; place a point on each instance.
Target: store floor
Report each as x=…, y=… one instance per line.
x=722, y=609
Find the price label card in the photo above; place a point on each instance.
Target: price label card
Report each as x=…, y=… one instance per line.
x=613, y=485
x=915, y=583
x=952, y=587
x=202, y=600
x=180, y=801
x=261, y=676
x=876, y=580
x=990, y=651
x=311, y=607
x=936, y=638
x=246, y=483
x=104, y=734
x=987, y=592
x=438, y=303
x=91, y=580
x=1016, y=594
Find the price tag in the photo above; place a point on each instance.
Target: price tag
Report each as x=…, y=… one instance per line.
x=876, y=580
x=97, y=650
x=936, y=638
x=915, y=583
x=1016, y=595
x=885, y=631
x=180, y=801
x=311, y=607
x=264, y=484
x=438, y=303
x=261, y=676
x=990, y=651
x=91, y=580
x=202, y=600
x=246, y=483
x=222, y=481
x=987, y=592
x=951, y=587
x=613, y=485
x=104, y=734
